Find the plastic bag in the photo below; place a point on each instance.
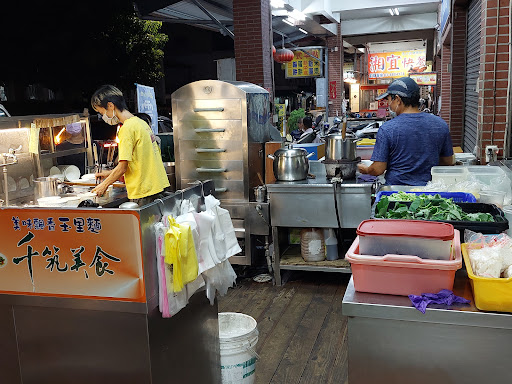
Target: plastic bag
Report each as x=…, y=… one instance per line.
x=467, y=186
x=219, y=278
x=490, y=255
x=502, y=184
x=437, y=186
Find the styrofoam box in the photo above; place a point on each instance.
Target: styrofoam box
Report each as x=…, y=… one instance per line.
x=449, y=175
x=425, y=239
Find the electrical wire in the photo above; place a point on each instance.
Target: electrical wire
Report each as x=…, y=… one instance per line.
x=338, y=230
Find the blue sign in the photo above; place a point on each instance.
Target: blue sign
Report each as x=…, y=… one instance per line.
x=445, y=12
x=146, y=103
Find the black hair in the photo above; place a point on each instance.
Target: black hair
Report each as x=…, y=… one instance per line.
x=108, y=93
x=413, y=101
x=307, y=121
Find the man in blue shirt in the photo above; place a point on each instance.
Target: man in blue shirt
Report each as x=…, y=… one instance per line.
x=409, y=145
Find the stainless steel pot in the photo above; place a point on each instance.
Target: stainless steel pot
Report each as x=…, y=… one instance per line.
x=338, y=148
x=346, y=169
x=46, y=186
x=291, y=164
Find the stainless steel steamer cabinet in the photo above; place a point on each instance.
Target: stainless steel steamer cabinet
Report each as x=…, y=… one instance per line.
x=220, y=129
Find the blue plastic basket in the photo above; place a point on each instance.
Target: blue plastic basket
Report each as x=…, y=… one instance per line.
x=458, y=197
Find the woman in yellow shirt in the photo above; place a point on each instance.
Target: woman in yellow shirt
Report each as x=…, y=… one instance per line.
x=140, y=160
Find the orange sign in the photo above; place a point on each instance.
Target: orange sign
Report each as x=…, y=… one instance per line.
x=71, y=253
x=424, y=78
x=396, y=64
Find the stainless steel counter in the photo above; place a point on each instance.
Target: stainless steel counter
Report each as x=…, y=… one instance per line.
x=310, y=204
x=390, y=341
x=98, y=322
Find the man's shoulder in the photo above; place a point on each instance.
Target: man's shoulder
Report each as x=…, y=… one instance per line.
x=433, y=119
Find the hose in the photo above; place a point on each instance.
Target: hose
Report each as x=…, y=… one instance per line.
x=335, y=181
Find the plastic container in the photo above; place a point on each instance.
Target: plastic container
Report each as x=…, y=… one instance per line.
x=485, y=174
x=365, y=151
x=465, y=158
x=238, y=336
x=403, y=275
x=425, y=239
x=507, y=211
x=490, y=294
x=458, y=197
x=331, y=245
x=312, y=148
x=500, y=223
x=492, y=197
x=449, y=175
x=312, y=246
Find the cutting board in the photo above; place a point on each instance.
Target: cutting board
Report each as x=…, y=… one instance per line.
x=270, y=148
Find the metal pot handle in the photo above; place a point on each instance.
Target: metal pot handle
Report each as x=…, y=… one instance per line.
x=271, y=157
x=309, y=155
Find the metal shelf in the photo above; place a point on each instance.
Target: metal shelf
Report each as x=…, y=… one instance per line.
x=291, y=259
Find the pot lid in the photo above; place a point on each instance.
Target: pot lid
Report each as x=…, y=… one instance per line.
x=406, y=228
x=290, y=152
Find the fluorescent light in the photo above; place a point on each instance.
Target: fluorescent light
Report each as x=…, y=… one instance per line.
x=391, y=12
x=303, y=31
x=277, y=3
x=396, y=11
x=360, y=50
x=297, y=15
x=289, y=21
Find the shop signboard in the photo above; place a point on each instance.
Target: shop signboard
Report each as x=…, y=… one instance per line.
x=146, y=103
x=75, y=253
x=304, y=65
x=396, y=64
x=429, y=78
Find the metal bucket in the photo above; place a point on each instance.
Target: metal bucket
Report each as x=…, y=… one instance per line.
x=45, y=186
x=170, y=169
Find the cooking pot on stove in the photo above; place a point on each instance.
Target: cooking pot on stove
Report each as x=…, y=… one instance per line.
x=338, y=148
x=291, y=164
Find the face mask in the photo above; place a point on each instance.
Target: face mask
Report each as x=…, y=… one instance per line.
x=114, y=120
x=392, y=113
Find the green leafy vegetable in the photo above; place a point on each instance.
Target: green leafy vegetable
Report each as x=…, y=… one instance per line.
x=426, y=207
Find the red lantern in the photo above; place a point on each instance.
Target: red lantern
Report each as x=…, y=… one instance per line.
x=283, y=55
x=273, y=51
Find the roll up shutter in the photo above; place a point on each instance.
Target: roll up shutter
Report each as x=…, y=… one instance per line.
x=472, y=71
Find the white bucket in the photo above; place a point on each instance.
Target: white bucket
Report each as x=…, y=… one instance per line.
x=238, y=335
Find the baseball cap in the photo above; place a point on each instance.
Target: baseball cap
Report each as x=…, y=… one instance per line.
x=403, y=87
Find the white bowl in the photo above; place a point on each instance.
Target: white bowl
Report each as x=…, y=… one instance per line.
x=50, y=201
x=89, y=177
x=71, y=172
x=54, y=171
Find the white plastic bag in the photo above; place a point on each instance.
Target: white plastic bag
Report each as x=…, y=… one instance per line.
x=490, y=255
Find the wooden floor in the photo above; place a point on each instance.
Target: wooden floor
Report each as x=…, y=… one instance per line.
x=302, y=333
